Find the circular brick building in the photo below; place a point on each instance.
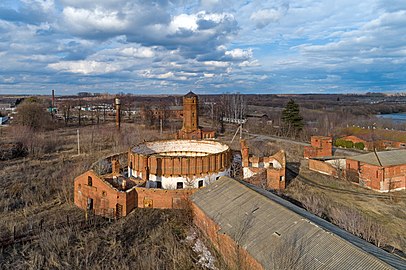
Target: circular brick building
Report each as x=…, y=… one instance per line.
x=177, y=164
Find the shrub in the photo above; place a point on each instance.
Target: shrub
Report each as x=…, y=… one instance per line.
x=339, y=143
x=359, y=145
x=349, y=144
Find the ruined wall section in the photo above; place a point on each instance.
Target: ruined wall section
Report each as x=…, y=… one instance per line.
x=321, y=146
x=91, y=192
x=162, y=198
x=274, y=166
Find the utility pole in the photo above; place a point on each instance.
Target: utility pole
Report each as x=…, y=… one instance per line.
x=118, y=112
x=78, y=142
x=240, y=131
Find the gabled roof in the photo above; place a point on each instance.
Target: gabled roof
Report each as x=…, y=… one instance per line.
x=272, y=225
x=384, y=158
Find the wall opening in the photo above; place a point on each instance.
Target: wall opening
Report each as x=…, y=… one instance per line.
x=89, y=181
x=200, y=183
x=89, y=204
x=179, y=185
x=158, y=184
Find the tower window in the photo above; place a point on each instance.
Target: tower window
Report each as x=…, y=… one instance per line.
x=89, y=181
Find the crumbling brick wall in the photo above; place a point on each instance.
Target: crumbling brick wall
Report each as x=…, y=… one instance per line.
x=321, y=146
x=93, y=193
x=275, y=167
x=223, y=243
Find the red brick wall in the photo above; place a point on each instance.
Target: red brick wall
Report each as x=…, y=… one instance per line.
x=223, y=243
x=321, y=146
x=323, y=167
x=372, y=175
x=163, y=198
x=168, y=166
x=274, y=179
x=395, y=177
x=105, y=198
x=190, y=117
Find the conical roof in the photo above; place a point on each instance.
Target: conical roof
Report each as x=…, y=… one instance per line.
x=190, y=95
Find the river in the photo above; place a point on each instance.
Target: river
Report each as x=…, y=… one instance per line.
x=397, y=117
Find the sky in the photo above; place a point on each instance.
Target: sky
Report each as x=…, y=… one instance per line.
x=207, y=46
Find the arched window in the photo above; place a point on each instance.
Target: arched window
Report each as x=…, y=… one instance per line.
x=89, y=181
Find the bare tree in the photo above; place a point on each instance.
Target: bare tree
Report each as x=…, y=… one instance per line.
x=190, y=182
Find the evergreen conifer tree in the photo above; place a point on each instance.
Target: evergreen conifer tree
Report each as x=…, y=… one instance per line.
x=291, y=118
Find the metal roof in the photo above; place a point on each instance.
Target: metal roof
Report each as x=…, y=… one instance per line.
x=265, y=227
x=384, y=158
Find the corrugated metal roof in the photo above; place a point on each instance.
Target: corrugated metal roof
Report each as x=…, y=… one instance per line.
x=386, y=158
x=264, y=227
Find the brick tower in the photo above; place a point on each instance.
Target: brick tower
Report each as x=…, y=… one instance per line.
x=190, y=118
x=190, y=128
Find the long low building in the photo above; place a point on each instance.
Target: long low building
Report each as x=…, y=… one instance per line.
x=255, y=229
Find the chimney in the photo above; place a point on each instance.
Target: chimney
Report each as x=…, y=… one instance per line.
x=53, y=99
x=244, y=153
x=118, y=112
x=123, y=184
x=115, y=166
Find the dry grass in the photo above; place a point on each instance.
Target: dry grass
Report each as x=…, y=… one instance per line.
x=356, y=213
x=146, y=239
x=38, y=189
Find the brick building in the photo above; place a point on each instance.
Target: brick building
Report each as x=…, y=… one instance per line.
x=190, y=128
x=381, y=171
x=320, y=146
x=274, y=167
x=161, y=174
x=379, y=144
x=179, y=163
x=255, y=229
x=115, y=195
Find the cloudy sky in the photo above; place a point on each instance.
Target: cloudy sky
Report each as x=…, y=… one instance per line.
x=208, y=46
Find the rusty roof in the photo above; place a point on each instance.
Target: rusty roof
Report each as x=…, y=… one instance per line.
x=264, y=223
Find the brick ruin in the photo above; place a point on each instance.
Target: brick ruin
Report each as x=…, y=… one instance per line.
x=274, y=166
x=367, y=170
x=320, y=146
x=160, y=174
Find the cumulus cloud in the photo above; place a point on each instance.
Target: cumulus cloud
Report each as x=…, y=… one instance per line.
x=263, y=17
x=215, y=45
x=85, y=67
x=239, y=54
